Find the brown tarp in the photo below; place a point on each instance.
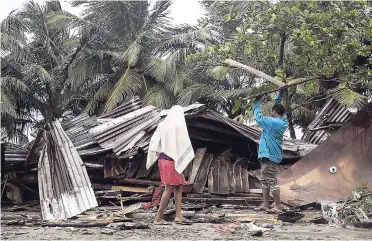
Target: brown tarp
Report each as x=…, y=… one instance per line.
x=349, y=150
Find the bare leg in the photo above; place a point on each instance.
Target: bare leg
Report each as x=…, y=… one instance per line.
x=163, y=203
x=276, y=195
x=266, y=193
x=178, y=199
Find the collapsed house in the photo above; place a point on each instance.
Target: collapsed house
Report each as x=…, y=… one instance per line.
x=339, y=165
x=113, y=149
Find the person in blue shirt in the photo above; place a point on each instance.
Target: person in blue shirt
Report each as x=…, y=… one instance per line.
x=270, y=151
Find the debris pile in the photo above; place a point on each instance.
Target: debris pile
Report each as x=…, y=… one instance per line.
x=113, y=150
x=356, y=210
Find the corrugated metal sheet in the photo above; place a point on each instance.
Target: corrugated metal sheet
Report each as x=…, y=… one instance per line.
x=14, y=153
x=64, y=186
x=131, y=105
x=127, y=130
x=349, y=150
x=331, y=117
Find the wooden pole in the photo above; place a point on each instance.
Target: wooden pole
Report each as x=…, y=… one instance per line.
x=236, y=64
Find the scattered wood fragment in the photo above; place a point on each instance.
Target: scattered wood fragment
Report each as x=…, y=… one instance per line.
x=128, y=226
x=121, y=188
x=92, y=165
x=75, y=225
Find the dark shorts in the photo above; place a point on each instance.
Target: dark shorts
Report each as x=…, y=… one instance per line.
x=269, y=170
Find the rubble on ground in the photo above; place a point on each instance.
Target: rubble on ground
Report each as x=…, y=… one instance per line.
x=353, y=211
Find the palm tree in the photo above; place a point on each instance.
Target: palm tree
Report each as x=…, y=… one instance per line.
x=35, y=70
x=142, y=50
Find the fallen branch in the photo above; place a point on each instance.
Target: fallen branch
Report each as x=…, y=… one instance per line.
x=277, y=89
x=235, y=64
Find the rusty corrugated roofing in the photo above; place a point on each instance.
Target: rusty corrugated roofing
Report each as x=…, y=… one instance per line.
x=349, y=149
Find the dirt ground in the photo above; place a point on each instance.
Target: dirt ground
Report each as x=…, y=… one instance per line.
x=284, y=231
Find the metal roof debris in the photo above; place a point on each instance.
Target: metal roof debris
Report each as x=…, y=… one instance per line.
x=349, y=150
x=126, y=132
x=331, y=117
x=64, y=186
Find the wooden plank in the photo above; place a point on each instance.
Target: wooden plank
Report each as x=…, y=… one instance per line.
x=213, y=179
x=199, y=156
x=133, y=166
x=237, y=177
x=230, y=177
x=121, y=188
x=138, y=182
x=258, y=191
x=219, y=201
x=155, y=174
x=245, y=182
x=202, y=176
x=188, y=170
x=107, y=168
x=223, y=181
x=142, y=170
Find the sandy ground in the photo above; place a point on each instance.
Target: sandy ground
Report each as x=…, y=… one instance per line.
x=178, y=232
x=301, y=230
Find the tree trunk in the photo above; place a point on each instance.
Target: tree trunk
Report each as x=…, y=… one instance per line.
x=287, y=103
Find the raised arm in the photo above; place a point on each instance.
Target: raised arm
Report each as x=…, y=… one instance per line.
x=262, y=120
x=278, y=97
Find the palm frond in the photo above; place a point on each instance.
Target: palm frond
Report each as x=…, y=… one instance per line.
x=159, y=96
x=62, y=19
x=99, y=96
x=347, y=97
x=35, y=70
x=220, y=72
x=7, y=107
x=132, y=54
x=193, y=94
x=13, y=84
x=129, y=84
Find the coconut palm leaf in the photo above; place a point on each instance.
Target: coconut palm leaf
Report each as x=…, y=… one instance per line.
x=129, y=84
x=347, y=97
x=159, y=96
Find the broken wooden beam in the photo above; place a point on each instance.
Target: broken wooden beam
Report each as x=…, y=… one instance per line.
x=140, y=182
x=121, y=188
x=219, y=201
x=92, y=165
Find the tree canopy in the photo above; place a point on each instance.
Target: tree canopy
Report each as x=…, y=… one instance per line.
x=56, y=63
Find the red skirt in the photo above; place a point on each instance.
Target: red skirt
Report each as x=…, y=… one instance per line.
x=169, y=175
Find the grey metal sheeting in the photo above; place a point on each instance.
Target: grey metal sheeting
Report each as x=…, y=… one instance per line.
x=333, y=113
x=128, y=128
x=15, y=153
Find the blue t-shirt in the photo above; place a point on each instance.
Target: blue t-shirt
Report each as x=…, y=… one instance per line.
x=271, y=140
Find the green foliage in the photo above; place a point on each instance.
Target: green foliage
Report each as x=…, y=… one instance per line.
x=292, y=40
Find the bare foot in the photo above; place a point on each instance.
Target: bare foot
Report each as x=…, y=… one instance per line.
x=161, y=222
x=277, y=209
x=263, y=207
